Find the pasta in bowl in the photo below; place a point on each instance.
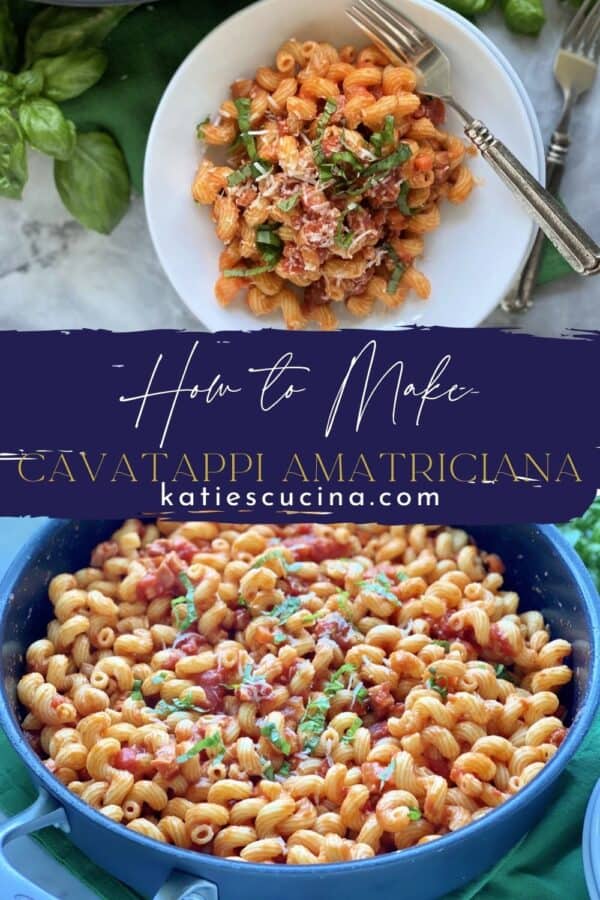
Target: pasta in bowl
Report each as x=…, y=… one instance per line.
x=301, y=694
x=335, y=171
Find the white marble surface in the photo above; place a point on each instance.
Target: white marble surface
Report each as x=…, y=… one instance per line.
x=53, y=274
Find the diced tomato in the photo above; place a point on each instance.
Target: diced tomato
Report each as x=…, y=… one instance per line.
x=437, y=763
x=293, y=586
x=313, y=548
x=338, y=629
x=255, y=692
x=558, y=736
x=132, y=759
x=170, y=659
x=213, y=683
x=57, y=701
x=105, y=550
x=500, y=643
x=379, y=730
x=147, y=587
x=423, y=162
x=381, y=699
x=241, y=619
x=189, y=643
x=179, y=545
x=433, y=108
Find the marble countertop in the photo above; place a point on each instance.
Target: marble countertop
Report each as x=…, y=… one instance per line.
x=54, y=274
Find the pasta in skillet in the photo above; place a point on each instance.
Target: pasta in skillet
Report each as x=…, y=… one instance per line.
x=336, y=168
x=299, y=694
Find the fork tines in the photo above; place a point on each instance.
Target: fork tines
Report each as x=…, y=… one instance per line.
x=582, y=34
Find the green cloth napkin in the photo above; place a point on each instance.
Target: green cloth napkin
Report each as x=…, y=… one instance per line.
x=546, y=863
x=144, y=50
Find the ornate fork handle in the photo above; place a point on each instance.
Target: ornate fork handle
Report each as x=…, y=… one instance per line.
x=571, y=241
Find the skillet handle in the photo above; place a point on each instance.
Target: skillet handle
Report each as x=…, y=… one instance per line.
x=42, y=813
x=180, y=886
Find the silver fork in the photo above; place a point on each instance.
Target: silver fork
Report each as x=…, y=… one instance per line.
x=403, y=41
x=575, y=69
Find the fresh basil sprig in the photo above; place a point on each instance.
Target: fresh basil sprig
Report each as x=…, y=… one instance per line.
x=71, y=74
x=94, y=183
x=62, y=60
x=46, y=128
x=56, y=31
x=13, y=156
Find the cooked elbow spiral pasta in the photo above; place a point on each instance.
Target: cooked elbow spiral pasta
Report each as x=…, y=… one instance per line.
x=336, y=168
x=302, y=694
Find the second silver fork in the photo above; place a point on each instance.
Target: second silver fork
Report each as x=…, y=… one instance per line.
x=404, y=42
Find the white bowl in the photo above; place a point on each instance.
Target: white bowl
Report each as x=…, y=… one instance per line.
x=472, y=259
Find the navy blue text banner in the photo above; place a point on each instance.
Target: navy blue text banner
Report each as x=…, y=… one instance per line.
x=429, y=425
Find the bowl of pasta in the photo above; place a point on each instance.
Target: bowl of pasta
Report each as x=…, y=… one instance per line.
x=302, y=181
x=308, y=708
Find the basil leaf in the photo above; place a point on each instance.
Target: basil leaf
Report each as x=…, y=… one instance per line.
x=246, y=273
x=94, y=183
x=288, y=204
x=214, y=740
x=8, y=93
x=272, y=735
x=46, y=128
x=56, y=31
x=136, y=691
x=8, y=38
x=269, y=244
x=29, y=83
x=414, y=814
x=243, y=106
x=399, y=156
x=323, y=120
x=13, y=156
x=71, y=74
x=402, y=201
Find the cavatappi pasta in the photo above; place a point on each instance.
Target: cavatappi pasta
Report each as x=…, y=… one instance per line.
x=335, y=170
x=299, y=694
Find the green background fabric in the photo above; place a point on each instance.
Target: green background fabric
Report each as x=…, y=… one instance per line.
x=546, y=864
x=144, y=51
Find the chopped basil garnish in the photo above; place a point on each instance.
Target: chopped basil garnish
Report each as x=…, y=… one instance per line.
x=387, y=773
x=242, y=602
x=191, y=615
x=414, y=814
x=398, y=270
x=159, y=677
x=323, y=120
x=359, y=693
x=401, y=576
x=351, y=732
x=435, y=685
x=502, y=672
x=380, y=139
x=270, y=554
x=444, y=644
x=136, y=692
x=284, y=610
x=178, y=704
x=284, y=770
x=200, y=127
x=246, y=273
x=214, y=741
x=243, y=105
x=269, y=243
x=336, y=682
x=272, y=735
x=253, y=169
x=279, y=637
x=289, y=203
x=314, y=721
x=380, y=585
x=343, y=606
x=402, y=201
x=311, y=618
x=382, y=166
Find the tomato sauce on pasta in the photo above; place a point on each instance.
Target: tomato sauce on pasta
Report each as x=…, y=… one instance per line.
x=336, y=169
x=293, y=694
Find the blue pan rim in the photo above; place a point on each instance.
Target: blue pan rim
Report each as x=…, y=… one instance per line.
x=214, y=865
